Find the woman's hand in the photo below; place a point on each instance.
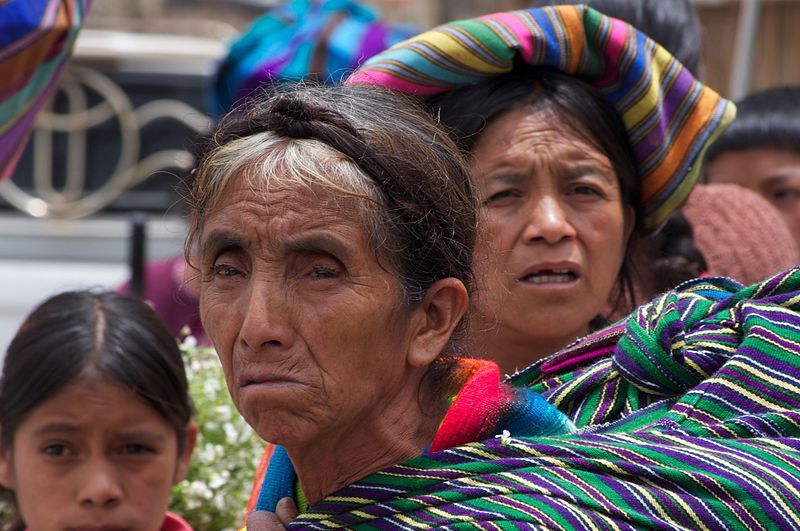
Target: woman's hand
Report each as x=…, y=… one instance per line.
x=285, y=512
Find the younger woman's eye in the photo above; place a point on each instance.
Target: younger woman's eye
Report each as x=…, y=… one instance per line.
x=584, y=189
x=785, y=194
x=500, y=195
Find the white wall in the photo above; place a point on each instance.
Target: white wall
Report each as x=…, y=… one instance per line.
x=25, y=283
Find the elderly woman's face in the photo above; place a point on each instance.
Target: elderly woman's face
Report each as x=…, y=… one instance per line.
x=555, y=229
x=309, y=326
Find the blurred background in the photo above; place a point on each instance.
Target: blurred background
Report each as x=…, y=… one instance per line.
x=98, y=188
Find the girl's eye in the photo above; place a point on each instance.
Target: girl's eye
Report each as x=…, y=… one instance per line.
x=56, y=450
x=137, y=449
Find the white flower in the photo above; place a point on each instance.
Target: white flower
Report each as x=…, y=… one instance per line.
x=188, y=343
x=504, y=437
x=185, y=331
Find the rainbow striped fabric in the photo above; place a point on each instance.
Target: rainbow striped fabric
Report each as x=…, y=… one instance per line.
x=717, y=448
x=670, y=117
x=36, y=39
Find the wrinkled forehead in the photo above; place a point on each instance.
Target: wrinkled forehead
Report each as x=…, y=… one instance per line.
x=271, y=171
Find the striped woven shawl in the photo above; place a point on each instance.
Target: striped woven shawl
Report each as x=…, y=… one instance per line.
x=36, y=39
x=669, y=116
x=718, y=447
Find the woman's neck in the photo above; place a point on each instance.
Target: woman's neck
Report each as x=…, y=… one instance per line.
x=400, y=430
x=512, y=351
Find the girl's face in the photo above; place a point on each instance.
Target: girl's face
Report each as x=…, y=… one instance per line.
x=94, y=457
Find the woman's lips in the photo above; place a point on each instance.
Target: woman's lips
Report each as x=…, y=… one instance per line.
x=550, y=273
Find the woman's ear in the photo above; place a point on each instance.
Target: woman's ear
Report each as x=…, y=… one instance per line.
x=185, y=456
x=444, y=305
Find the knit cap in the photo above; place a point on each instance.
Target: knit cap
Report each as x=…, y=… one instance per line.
x=741, y=234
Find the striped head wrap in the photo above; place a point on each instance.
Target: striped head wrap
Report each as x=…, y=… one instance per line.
x=669, y=116
x=36, y=39
x=320, y=40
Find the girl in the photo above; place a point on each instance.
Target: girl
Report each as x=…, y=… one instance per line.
x=95, y=418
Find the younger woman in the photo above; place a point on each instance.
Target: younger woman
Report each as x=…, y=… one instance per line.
x=95, y=418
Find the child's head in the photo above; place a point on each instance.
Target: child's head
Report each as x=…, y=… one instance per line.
x=761, y=151
x=95, y=418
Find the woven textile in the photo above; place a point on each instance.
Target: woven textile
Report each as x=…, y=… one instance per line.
x=36, y=39
x=322, y=40
x=717, y=448
x=481, y=408
x=669, y=116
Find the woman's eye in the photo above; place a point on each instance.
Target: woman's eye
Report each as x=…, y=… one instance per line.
x=224, y=271
x=323, y=271
x=501, y=195
x=785, y=195
x=586, y=190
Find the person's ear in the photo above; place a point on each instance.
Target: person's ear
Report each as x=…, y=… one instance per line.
x=6, y=469
x=441, y=310
x=185, y=456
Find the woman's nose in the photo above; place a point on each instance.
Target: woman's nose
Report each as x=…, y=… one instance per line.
x=100, y=485
x=547, y=220
x=265, y=319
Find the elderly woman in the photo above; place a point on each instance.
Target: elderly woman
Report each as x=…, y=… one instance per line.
x=582, y=137
x=335, y=229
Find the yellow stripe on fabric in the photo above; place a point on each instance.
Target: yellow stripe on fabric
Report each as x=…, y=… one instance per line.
x=410, y=521
x=597, y=496
x=349, y=499
x=566, y=392
x=474, y=482
x=476, y=451
x=469, y=58
x=445, y=514
x=704, y=453
x=759, y=332
x=532, y=486
x=539, y=516
x=763, y=376
x=749, y=394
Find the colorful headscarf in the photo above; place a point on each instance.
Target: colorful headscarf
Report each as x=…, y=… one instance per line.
x=669, y=116
x=323, y=40
x=36, y=39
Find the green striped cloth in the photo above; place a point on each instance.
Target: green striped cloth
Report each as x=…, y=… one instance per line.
x=691, y=415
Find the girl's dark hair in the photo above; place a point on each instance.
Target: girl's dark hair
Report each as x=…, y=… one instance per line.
x=116, y=336
x=467, y=111
x=765, y=119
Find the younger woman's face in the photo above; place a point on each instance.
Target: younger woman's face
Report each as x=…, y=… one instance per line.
x=94, y=457
x=555, y=230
